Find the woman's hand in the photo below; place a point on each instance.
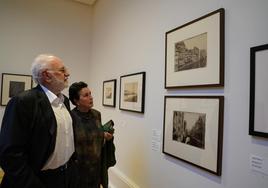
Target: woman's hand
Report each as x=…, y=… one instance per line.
x=108, y=136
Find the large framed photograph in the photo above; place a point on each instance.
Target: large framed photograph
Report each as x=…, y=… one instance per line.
x=194, y=53
x=258, y=119
x=132, y=92
x=13, y=84
x=193, y=130
x=109, y=93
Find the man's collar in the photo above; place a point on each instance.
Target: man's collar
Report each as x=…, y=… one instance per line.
x=52, y=97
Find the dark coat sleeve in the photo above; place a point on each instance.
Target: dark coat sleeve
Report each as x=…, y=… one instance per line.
x=18, y=157
x=107, y=160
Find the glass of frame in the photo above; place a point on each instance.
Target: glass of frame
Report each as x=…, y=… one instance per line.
x=109, y=93
x=258, y=119
x=194, y=53
x=132, y=92
x=193, y=130
x=13, y=84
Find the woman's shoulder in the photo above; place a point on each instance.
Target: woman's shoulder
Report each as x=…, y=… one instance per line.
x=94, y=111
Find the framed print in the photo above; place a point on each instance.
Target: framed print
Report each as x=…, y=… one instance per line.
x=258, y=119
x=194, y=53
x=193, y=130
x=132, y=92
x=13, y=84
x=109, y=93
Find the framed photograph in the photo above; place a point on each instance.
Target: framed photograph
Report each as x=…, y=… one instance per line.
x=193, y=130
x=258, y=119
x=13, y=84
x=194, y=53
x=109, y=93
x=132, y=92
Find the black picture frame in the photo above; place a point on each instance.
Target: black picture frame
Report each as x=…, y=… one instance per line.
x=109, y=93
x=258, y=91
x=132, y=92
x=193, y=130
x=13, y=84
x=194, y=53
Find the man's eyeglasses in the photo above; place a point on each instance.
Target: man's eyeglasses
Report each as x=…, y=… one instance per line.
x=63, y=70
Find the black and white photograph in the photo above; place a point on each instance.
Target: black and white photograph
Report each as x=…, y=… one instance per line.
x=189, y=128
x=194, y=53
x=132, y=92
x=193, y=130
x=109, y=93
x=15, y=88
x=13, y=84
x=191, y=53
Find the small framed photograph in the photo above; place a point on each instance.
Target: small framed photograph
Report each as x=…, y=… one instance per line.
x=258, y=119
x=13, y=84
x=132, y=92
x=194, y=53
x=193, y=130
x=109, y=93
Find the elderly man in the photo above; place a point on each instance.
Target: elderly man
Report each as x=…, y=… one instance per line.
x=36, y=138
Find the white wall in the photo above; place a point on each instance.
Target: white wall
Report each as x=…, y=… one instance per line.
x=129, y=37
x=31, y=27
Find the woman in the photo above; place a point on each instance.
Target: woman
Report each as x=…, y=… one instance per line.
x=90, y=141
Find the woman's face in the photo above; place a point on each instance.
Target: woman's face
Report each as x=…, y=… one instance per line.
x=85, y=101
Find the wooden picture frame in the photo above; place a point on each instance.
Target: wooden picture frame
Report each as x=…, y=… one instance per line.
x=109, y=93
x=132, y=92
x=258, y=119
x=13, y=84
x=194, y=53
x=193, y=130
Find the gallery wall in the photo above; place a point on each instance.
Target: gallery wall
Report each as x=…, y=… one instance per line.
x=128, y=37
x=31, y=27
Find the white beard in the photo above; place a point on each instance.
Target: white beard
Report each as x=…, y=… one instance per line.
x=58, y=85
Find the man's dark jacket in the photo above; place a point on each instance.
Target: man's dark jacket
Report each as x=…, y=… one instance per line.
x=27, y=138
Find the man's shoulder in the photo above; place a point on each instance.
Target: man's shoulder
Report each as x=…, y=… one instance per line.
x=29, y=96
x=28, y=99
x=31, y=93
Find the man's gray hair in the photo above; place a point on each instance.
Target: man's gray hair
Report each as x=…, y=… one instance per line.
x=40, y=63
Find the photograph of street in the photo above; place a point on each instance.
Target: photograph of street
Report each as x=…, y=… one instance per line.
x=191, y=53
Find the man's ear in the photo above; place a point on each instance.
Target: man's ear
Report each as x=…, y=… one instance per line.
x=46, y=76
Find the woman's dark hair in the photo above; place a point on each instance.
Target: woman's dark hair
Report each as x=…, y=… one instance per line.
x=74, y=91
